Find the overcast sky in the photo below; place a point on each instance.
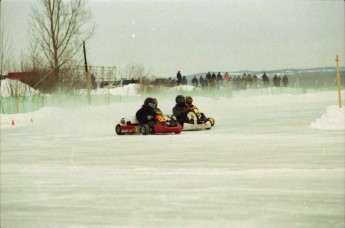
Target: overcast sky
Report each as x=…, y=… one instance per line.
x=197, y=36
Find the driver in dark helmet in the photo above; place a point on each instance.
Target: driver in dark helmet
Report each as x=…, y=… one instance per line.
x=201, y=116
x=157, y=110
x=181, y=110
x=146, y=115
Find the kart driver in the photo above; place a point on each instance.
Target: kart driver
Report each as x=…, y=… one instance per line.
x=181, y=110
x=157, y=110
x=201, y=116
x=146, y=115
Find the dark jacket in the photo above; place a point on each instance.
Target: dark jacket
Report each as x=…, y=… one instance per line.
x=181, y=111
x=179, y=78
x=184, y=81
x=143, y=113
x=195, y=81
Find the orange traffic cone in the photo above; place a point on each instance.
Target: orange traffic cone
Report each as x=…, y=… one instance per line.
x=13, y=123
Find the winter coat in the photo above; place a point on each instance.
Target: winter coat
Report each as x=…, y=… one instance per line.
x=184, y=81
x=181, y=111
x=195, y=81
x=143, y=113
x=179, y=78
x=202, y=81
x=219, y=77
x=208, y=76
x=285, y=80
x=227, y=76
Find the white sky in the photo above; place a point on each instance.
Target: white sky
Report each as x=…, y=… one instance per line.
x=197, y=36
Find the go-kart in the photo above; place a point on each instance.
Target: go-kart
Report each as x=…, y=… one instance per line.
x=199, y=121
x=163, y=124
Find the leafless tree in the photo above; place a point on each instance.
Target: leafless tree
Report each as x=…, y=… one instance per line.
x=58, y=28
x=135, y=71
x=7, y=62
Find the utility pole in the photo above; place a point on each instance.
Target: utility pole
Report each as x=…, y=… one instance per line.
x=88, y=84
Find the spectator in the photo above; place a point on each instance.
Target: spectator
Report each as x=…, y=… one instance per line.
x=214, y=76
x=265, y=79
x=255, y=80
x=207, y=82
x=208, y=76
x=179, y=78
x=227, y=76
x=276, y=80
x=202, y=81
x=195, y=81
x=93, y=81
x=285, y=81
x=249, y=80
x=184, y=80
x=213, y=80
x=219, y=77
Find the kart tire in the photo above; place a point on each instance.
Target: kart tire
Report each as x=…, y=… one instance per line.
x=118, y=130
x=145, y=129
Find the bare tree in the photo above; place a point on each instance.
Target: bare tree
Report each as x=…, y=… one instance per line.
x=58, y=28
x=135, y=71
x=7, y=59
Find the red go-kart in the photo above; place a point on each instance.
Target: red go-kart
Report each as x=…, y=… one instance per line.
x=163, y=124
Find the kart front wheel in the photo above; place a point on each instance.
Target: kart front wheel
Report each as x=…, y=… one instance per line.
x=118, y=130
x=145, y=129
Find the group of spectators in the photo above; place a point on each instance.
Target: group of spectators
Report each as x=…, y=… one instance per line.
x=239, y=81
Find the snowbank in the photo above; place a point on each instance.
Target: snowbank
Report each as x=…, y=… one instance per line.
x=11, y=87
x=333, y=119
x=127, y=90
x=185, y=88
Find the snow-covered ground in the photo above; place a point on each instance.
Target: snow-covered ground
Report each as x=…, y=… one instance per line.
x=270, y=161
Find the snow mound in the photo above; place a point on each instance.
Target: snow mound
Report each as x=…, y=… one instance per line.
x=127, y=90
x=333, y=119
x=183, y=88
x=10, y=87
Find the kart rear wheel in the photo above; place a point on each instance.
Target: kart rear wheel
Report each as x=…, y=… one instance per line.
x=118, y=130
x=145, y=129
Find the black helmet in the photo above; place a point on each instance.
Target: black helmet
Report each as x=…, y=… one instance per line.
x=150, y=102
x=156, y=102
x=180, y=99
x=189, y=100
